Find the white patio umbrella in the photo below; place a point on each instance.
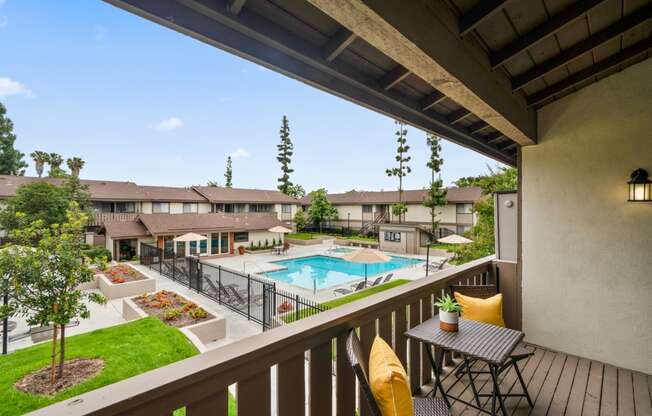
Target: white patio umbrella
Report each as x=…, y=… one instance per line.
x=454, y=239
x=366, y=256
x=188, y=237
x=280, y=230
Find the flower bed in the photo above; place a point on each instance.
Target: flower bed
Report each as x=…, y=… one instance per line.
x=122, y=273
x=172, y=308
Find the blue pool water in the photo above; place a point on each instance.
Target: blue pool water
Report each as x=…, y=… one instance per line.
x=321, y=271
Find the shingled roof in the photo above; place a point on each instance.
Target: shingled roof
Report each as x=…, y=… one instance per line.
x=180, y=223
x=125, y=229
x=234, y=195
x=453, y=195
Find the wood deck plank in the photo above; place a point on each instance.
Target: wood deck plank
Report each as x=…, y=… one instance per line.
x=593, y=390
x=625, y=393
x=535, y=385
x=642, y=400
x=547, y=391
x=578, y=390
x=609, y=400
x=562, y=392
x=528, y=373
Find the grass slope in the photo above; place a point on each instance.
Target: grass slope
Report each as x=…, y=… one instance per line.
x=127, y=350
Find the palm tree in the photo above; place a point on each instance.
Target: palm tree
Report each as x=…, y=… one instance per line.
x=40, y=159
x=75, y=165
x=55, y=160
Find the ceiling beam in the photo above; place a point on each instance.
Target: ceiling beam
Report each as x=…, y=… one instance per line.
x=431, y=100
x=336, y=45
x=427, y=43
x=629, y=22
x=235, y=6
x=539, y=33
x=489, y=138
x=484, y=10
x=497, y=139
x=393, y=77
x=476, y=127
x=458, y=115
x=602, y=66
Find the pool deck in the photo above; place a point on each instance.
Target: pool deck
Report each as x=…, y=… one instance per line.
x=261, y=263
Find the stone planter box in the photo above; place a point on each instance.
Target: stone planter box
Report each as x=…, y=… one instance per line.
x=356, y=243
x=89, y=285
x=127, y=289
x=269, y=250
x=199, y=334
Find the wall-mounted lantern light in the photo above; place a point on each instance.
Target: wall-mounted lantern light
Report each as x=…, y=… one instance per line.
x=639, y=186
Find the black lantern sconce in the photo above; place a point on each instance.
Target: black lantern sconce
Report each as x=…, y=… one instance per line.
x=639, y=186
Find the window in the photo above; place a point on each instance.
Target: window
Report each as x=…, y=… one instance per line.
x=158, y=207
x=260, y=207
x=393, y=236
x=464, y=208
x=215, y=243
x=367, y=209
x=125, y=207
x=461, y=229
x=189, y=207
x=102, y=207
x=286, y=208
x=203, y=246
x=241, y=237
x=235, y=208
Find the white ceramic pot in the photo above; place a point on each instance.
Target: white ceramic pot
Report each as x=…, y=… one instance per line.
x=448, y=321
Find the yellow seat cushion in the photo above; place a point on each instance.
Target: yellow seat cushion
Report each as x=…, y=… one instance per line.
x=489, y=311
x=388, y=381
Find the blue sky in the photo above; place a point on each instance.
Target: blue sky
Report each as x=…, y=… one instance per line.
x=143, y=103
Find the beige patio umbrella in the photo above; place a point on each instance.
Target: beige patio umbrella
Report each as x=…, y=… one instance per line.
x=454, y=239
x=189, y=237
x=280, y=230
x=366, y=256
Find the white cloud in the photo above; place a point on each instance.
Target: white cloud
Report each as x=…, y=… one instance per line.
x=168, y=124
x=239, y=153
x=10, y=87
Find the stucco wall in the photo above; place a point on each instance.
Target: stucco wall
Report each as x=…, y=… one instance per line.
x=587, y=252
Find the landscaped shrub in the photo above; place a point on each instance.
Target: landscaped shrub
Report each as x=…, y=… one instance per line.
x=171, y=314
x=260, y=244
x=198, y=313
x=266, y=243
x=94, y=252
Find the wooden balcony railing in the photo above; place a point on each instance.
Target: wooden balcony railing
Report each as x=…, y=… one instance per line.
x=99, y=218
x=200, y=383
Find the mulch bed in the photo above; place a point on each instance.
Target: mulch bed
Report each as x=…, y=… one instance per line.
x=172, y=308
x=75, y=371
x=122, y=273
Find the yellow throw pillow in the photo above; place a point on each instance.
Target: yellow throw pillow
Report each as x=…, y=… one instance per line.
x=388, y=381
x=489, y=311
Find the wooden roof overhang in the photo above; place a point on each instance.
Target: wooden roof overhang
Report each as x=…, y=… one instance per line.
x=471, y=71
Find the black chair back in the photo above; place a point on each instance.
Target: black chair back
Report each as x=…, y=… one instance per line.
x=476, y=291
x=360, y=368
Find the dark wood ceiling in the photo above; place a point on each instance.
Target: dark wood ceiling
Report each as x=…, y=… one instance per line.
x=546, y=48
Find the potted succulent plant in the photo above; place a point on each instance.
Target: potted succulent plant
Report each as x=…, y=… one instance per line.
x=449, y=311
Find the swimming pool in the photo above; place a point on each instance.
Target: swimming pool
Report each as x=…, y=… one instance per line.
x=319, y=272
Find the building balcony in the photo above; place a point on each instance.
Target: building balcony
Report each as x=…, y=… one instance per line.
x=275, y=362
x=98, y=218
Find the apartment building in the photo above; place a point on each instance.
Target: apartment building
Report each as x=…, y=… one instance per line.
x=126, y=214
x=363, y=209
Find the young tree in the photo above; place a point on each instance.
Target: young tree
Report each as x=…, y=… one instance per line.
x=213, y=184
x=44, y=281
x=75, y=165
x=11, y=160
x=401, y=170
x=55, y=160
x=436, y=195
x=300, y=219
x=296, y=191
x=320, y=209
x=36, y=201
x=285, y=151
x=40, y=159
x=228, y=175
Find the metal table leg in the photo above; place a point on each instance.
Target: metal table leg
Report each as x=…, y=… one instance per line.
x=437, y=370
x=523, y=386
x=494, y=377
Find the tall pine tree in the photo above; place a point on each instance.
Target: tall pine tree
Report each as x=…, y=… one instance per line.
x=401, y=170
x=228, y=175
x=11, y=160
x=436, y=195
x=285, y=151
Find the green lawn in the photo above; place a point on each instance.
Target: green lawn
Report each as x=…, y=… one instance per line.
x=305, y=236
x=359, y=238
x=127, y=350
x=304, y=313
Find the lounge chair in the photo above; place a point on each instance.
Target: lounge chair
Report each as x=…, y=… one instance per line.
x=388, y=278
x=436, y=266
x=242, y=298
x=376, y=282
x=355, y=288
x=428, y=406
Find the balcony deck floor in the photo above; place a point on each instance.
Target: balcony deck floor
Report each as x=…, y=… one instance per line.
x=561, y=384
